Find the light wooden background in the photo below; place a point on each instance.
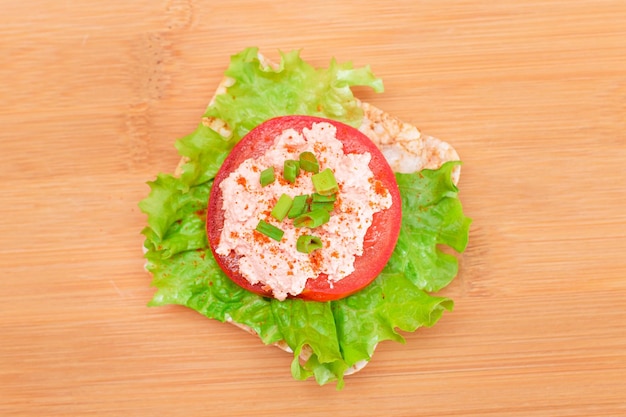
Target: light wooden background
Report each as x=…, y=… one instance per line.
x=93, y=95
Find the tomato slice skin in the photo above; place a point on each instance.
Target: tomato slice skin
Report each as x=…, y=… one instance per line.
x=379, y=241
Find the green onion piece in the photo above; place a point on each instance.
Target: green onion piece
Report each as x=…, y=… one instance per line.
x=326, y=205
x=267, y=176
x=308, y=162
x=291, y=170
x=308, y=243
x=281, y=208
x=298, y=206
x=312, y=219
x=318, y=198
x=269, y=230
x=325, y=182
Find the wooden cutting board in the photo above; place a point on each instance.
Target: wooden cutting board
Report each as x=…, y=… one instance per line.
x=531, y=93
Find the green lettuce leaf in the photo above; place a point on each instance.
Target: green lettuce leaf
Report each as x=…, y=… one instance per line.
x=431, y=216
x=180, y=224
x=336, y=335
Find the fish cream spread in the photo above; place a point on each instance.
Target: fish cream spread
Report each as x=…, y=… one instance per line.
x=277, y=265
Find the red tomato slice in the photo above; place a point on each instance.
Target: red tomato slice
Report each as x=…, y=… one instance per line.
x=380, y=238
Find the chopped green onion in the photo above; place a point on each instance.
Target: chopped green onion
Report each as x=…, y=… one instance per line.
x=326, y=205
x=312, y=219
x=299, y=206
x=308, y=162
x=269, y=230
x=318, y=198
x=308, y=243
x=326, y=202
x=267, y=176
x=281, y=208
x=325, y=182
x=291, y=170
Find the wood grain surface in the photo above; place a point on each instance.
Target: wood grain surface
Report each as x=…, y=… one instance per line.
x=93, y=95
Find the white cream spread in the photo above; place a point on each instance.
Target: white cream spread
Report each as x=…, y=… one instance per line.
x=278, y=265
